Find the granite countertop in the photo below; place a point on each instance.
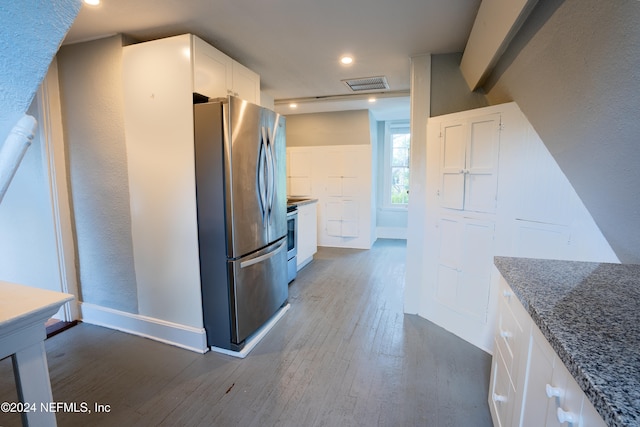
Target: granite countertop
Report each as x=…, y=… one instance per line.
x=590, y=314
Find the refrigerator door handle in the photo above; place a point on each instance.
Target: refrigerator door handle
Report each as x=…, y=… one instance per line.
x=261, y=258
x=270, y=173
x=262, y=185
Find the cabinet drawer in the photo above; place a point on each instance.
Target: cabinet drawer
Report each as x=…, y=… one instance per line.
x=509, y=336
x=502, y=395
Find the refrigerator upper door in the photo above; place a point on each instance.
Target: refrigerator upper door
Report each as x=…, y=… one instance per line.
x=247, y=177
x=275, y=125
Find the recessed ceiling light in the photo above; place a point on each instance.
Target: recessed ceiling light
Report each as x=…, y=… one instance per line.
x=92, y=2
x=372, y=100
x=346, y=60
x=293, y=105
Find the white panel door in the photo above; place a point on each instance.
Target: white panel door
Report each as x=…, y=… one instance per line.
x=481, y=170
x=475, y=278
x=452, y=163
x=469, y=164
x=464, y=266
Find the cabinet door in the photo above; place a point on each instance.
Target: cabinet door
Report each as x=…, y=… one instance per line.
x=245, y=83
x=452, y=163
x=464, y=270
x=469, y=164
x=211, y=70
x=538, y=409
x=299, y=172
x=481, y=165
x=307, y=233
x=342, y=218
x=565, y=402
x=501, y=394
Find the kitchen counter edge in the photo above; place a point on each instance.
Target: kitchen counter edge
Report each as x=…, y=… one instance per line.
x=588, y=312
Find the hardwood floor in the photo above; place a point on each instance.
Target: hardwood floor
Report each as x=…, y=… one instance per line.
x=343, y=355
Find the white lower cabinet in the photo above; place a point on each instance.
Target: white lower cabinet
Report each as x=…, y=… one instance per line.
x=530, y=386
x=307, y=233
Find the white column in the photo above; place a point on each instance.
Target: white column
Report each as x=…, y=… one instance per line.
x=420, y=110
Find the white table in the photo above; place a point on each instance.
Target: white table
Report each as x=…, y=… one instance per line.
x=23, y=313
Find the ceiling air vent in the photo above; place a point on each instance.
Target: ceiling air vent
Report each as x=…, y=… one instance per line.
x=367, y=83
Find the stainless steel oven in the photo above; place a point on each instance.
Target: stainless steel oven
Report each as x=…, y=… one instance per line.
x=292, y=245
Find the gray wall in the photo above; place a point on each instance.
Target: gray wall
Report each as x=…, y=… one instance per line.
x=334, y=128
x=574, y=70
x=449, y=90
x=92, y=109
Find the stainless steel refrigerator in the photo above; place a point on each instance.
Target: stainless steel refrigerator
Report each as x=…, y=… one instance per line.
x=242, y=226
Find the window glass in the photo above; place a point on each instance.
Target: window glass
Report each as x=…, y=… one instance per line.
x=400, y=139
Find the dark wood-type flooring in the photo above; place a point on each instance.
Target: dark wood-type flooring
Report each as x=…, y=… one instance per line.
x=343, y=355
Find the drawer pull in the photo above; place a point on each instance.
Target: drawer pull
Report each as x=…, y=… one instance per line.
x=566, y=417
x=553, y=391
x=499, y=398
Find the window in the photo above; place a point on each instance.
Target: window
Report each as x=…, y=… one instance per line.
x=397, y=145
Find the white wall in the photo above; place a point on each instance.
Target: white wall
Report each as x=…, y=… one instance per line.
x=28, y=253
x=32, y=32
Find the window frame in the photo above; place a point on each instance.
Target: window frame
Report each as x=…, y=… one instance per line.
x=390, y=127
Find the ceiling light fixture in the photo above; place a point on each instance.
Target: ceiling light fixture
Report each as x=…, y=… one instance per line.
x=293, y=105
x=372, y=100
x=346, y=60
x=92, y=2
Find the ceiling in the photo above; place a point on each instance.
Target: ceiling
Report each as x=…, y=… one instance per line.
x=295, y=45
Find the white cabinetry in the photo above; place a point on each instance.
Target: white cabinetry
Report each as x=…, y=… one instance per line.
x=299, y=168
x=469, y=163
x=530, y=386
x=216, y=75
x=340, y=177
x=307, y=233
x=159, y=78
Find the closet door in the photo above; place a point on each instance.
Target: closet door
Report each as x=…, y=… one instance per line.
x=481, y=164
x=464, y=267
x=469, y=164
x=452, y=164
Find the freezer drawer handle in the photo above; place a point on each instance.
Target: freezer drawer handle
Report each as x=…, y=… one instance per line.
x=261, y=258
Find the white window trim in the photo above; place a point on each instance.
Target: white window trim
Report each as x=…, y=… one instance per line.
x=388, y=126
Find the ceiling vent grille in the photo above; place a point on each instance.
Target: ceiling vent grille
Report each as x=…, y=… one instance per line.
x=367, y=83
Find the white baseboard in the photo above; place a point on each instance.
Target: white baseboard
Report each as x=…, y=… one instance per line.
x=254, y=339
x=391, y=232
x=187, y=337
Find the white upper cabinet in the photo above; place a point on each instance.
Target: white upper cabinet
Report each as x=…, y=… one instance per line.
x=299, y=163
x=469, y=163
x=212, y=70
x=216, y=75
x=245, y=83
